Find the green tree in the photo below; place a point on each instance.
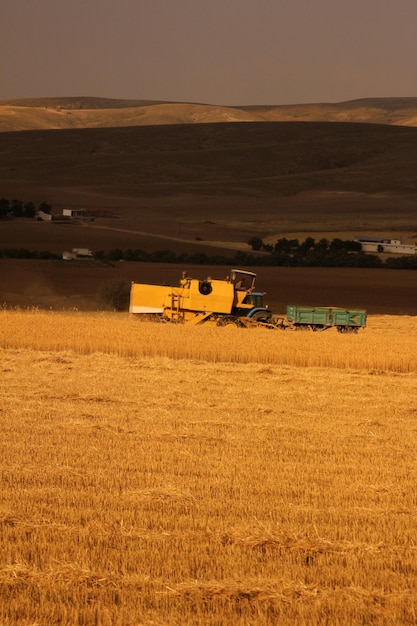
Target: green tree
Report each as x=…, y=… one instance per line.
x=45, y=207
x=256, y=243
x=16, y=208
x=116, y=294
x=307, y=245
x=29, y=209
x=322, y=246
x=115, y=255
x=4, y=207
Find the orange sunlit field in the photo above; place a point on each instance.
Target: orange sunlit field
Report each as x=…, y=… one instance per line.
x=158, y=474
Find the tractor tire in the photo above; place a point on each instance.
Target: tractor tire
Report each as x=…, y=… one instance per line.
x=264, y=317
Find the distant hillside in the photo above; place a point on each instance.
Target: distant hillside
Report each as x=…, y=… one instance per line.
x=258, y=160
x=392, y=111
x=87, y=112
x=189, y=187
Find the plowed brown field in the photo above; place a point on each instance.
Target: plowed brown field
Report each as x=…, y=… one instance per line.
x=63, y=285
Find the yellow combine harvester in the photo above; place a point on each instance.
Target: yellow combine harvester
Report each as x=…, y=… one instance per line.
x=233, y=300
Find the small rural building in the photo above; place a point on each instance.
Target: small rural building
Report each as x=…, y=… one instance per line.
x=73, y=212
x=77, y=253
x=386, y=244
x=44, y=217
x=87, y=213
x=99, y=213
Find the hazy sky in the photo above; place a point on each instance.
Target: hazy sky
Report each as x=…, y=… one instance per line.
x=212, y=51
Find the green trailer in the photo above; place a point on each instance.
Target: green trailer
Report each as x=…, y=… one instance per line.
x=322, y=318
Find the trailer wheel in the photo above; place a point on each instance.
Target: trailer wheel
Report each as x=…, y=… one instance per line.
x=348, y=329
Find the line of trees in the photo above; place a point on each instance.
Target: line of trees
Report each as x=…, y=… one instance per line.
x=285, y=252
x=18, y=208
x=309, y=245
x=323, y=253
x=402, y=263
x=240, y=259
x=24, y=253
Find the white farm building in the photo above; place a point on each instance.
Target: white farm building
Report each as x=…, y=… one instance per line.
x=73, y=212
x=386, y=244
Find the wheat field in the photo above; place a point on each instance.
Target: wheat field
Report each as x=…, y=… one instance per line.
x=159, y=474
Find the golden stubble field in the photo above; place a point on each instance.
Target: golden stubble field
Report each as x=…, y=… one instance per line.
x=157, y=474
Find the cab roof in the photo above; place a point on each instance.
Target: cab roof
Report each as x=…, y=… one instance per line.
x=244, y=272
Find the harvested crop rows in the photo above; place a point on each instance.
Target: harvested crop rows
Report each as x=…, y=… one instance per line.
x=156, y=474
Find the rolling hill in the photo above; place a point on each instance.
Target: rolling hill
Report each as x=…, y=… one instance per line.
x=84, y=112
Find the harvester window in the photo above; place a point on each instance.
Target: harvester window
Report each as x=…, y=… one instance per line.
x=255, y=299
x=242, y=280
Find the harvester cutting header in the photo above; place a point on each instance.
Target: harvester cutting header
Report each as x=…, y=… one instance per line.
x=234, y=300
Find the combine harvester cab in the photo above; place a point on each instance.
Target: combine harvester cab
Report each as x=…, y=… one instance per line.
x=222, y=302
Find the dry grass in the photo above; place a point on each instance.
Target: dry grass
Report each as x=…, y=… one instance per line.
x=387, y=345
x=166, y=475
